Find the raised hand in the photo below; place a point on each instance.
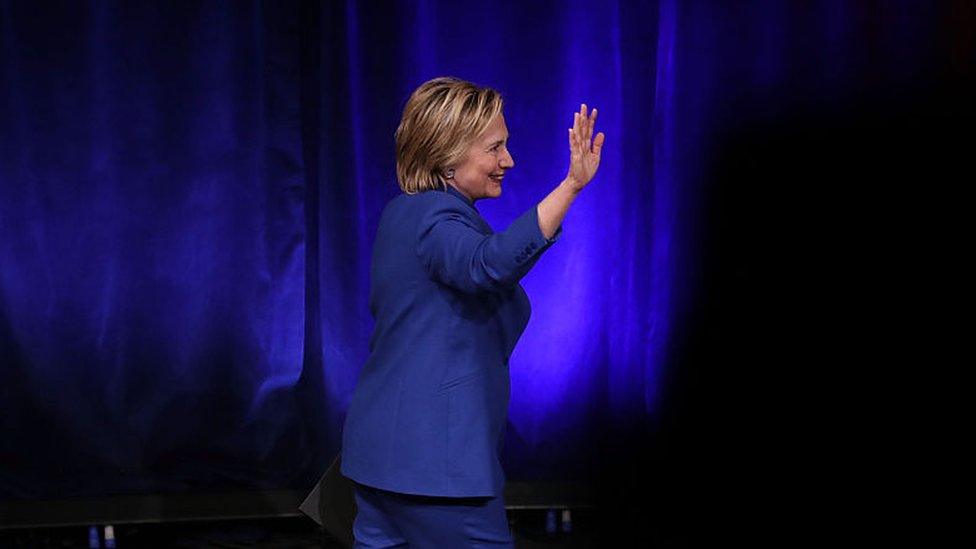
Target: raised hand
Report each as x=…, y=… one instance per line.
x=584, y=154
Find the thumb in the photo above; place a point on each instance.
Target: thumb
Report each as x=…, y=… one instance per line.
x=598, y=143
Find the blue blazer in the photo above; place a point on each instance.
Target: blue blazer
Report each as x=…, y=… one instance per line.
x=429, y=410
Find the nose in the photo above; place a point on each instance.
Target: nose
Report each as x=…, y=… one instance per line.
x=506, y=161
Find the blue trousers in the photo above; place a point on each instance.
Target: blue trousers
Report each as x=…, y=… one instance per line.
x=391, y=519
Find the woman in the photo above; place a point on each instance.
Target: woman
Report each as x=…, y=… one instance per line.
x=425, y=425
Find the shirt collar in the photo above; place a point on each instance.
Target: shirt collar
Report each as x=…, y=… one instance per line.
x=451, y=190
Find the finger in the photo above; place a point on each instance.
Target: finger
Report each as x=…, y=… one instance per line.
x=592, y=121
x=598, y=143
x=587, y=127
x=578, y=130
x=588, y=136
x=572, y=146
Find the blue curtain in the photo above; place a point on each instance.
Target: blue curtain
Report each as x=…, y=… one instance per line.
x=189, y=193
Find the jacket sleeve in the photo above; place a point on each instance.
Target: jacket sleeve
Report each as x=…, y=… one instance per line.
x=456, y=253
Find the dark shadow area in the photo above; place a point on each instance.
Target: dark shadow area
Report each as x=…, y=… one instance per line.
x=819, y=269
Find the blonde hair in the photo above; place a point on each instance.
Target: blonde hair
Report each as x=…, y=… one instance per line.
x=440, y=121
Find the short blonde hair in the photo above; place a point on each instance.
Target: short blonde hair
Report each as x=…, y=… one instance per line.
x=440, y=121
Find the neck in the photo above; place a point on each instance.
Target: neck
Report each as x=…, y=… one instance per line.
x=462, y=193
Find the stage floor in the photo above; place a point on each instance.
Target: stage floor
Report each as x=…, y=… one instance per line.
x=528, y=527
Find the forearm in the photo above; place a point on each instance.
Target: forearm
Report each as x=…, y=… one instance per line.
x=553, y=207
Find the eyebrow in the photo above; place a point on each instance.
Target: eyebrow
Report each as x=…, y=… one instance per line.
x=497, y=141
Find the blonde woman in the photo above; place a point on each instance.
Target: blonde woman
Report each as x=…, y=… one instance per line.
x=423, y=432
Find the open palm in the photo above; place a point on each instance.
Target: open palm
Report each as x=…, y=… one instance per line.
x=584, y=151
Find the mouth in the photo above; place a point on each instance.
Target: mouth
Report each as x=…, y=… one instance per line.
x=497, y=178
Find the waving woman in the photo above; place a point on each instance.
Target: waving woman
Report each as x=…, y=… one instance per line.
x=423, y=431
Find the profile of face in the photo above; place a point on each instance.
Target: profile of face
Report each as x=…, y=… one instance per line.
x=480, y=173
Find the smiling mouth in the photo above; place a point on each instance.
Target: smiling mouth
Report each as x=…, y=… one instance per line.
x=497, y=178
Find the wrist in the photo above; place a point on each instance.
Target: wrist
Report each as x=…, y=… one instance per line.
x=571, y=185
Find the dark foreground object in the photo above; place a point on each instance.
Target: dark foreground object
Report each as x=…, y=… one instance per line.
x=331, y=503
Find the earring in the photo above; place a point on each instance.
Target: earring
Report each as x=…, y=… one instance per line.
x=450, y=173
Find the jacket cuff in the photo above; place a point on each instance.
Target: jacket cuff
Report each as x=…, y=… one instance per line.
x=527, y=226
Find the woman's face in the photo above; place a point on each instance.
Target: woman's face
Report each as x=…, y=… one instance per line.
x=480, y=173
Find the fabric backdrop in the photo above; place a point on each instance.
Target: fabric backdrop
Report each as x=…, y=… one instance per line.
x=189, y=193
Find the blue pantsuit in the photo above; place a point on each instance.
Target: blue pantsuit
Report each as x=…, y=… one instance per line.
x=389, y=519
x=429, y=411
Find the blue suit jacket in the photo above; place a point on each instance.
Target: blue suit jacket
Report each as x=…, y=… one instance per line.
x=429, y=411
